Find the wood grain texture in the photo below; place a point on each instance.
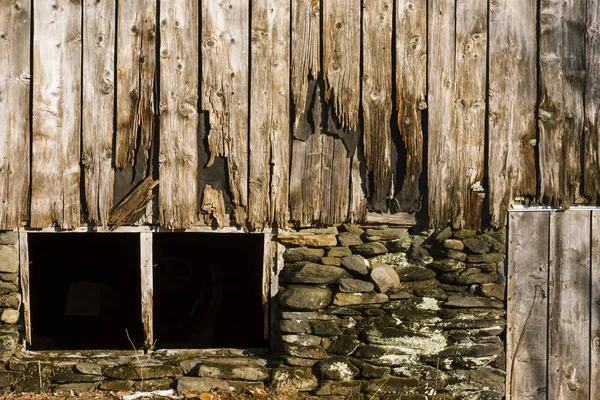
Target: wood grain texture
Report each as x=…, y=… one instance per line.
x=225, y=89
x=377, y=99
x=357, y=208
x=213, y=206
x=178, y=154
x=269, y=114
x=527, y=299
x=305, y=47
x=147, y=287
x=131, y=205
x=456, y=117
x=99, y=26
x=411, y=93
x=512, y=103
x=15, y=30
x=55, y=174
x=591, y=171
x=306, y=180
x=561, y=113
x=136, y=64
x=595, y=307
x=569, y=306
x=341, y=59
x=25, y=282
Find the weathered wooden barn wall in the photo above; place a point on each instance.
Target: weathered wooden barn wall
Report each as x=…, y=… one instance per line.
x=295, y=111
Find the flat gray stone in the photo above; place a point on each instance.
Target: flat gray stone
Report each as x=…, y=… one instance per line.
x=348, y=299
x=294, y=326
x=75, y=387
x=398, y=245
x=212, y=369
x=302, y=254
x=339, y=388
x=464, y=234
x=194, y=384
x=8, y=347
x=8, y=238
x=485, y=258
x=88, y=368
x=454, y=244
x=288, y=380
x=344, y=345
x=349, y=285
x=356, y=263
x=306, y=239
x=348, y=239
x=313, y=352
x=413, y=273
x=471, y=279
x=376, y=235
x=444, y=234
x=457, y=255
x=302, y=340
x=312, y=273
x=448, y=265
x=337, y=368
x=9, y=259
x=370, y=249
x=466, y=301
x=339, y=251
x=483, y=244
x=305, y=297
x=74, y=377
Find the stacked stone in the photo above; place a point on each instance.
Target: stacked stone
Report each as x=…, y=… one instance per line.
x=198, y=373
x=380, y=313
x=10, y=298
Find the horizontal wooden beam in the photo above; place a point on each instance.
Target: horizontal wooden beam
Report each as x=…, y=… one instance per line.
x=401, y=218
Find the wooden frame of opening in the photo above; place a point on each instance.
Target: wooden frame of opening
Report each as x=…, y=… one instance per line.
x=269, y=280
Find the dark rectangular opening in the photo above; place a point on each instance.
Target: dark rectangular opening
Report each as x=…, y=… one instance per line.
x=85, y=291
x=208, y=290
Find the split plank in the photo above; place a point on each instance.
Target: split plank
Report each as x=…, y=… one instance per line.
x=561, y=114
x=99, y=26
x=15, y=24
x=527, y=299
x=357, y=208
x=595, y=308
x=377, y=99
x=569, y=306
x=512, y=102
x=456, y=118
x=178, y=155
x=591, y=172
x=411, y=92
x=340, y=185
x=305, y=47
x=136, y=41
x=55, y=174
x=147, y=287
x=269, y=114
x=225, y=59
x=341, y=59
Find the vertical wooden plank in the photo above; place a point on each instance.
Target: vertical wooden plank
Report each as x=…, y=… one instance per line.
x=562, y=78
x=377, y=98
x=306, y=180
x=441, y=136
x=269, y=113
x=527, y=300
x=225, y=43
x=512, y=98
x=340, y=184
x=24, y=278
x=147, y=284
x=569, y=306
x=15, y=31
x=341, y=59
x=595, y=308
x=99, y=28
x=269, y=253
x=136, y=41
x=178, y=154
x=591, y=172
x=305, y=47
x=357, y=209
x=56, y=114
x=411, y=92
x=457, y=62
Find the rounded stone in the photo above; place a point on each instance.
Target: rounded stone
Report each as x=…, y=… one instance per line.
x=385, y=277
x=356, y=263
x=10, y=316
x=305, y=297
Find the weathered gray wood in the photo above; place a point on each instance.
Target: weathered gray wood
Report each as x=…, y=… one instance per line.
x=213, y=206
x=178, y=156
x=569, y=306
x=341, y=58
x=306, y=180
x=269, y=114
x=15, y=44
x=399, y=218
x=377, y=98
x=24, y=280
x=136, y=41
x=512, y=98
x=99, y=26
x=305, y=48
x=132, y=204
x=411, y=92
x=55, y=157
x=340, y=185
x=225, y=45
x=527, y=299
x=595, y=307
x=147, y=287
x=561, y=114
x=357, y=209
x=456, y=116
x=591, y=171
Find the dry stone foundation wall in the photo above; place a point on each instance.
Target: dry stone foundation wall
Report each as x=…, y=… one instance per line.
x=362, y=313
